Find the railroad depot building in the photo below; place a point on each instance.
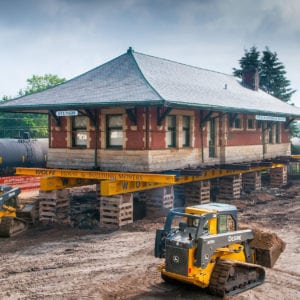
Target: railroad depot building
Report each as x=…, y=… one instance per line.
x=139, y=113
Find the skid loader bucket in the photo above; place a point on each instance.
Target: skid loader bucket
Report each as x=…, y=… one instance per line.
x=267, y=257
x=267, y=247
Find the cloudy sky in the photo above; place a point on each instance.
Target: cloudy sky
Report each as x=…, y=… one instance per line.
x=69, y=37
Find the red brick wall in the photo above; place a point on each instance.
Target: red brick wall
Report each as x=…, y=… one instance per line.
x=243, y=136
x=285, y=134
x=157, y=133
x=92, y=134
x=135, y=133
x=58, y=133
x=197, y=131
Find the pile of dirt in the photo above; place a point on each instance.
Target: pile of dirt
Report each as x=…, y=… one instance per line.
x=267, y=245
x=266, y=239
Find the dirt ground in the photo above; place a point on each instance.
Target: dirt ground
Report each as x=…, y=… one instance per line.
x=59, y=262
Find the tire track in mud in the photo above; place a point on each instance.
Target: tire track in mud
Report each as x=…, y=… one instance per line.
x=75, y=262
x=67, y=264
x=291, y=280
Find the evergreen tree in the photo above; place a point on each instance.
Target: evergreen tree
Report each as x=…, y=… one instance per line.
x=273, y=77
x=272, y=74
x=5, y=98
x=249, y=62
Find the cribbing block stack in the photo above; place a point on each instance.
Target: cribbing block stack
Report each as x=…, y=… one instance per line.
x=54, y=206
x=116, y=211
x=197, y=192
x=251, y=181
x=278, y=176
x=230, y=187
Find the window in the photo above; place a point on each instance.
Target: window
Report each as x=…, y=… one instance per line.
x=236, y=123
x=171, y=133
x=226, y=223
x=114, y=131
x=271, y=131
x=259, y=124
x=277, y=133
x=212, y=138
x=186, y=121
x=79, y=131
x=250, y=123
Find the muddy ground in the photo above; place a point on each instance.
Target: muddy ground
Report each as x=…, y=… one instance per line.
x=59, y=262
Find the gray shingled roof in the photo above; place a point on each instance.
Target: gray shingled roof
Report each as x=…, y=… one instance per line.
x=138, y=79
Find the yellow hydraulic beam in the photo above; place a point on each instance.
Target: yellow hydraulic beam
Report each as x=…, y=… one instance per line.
x=113, y=183
x=58, y=183
x=215, y=173
x=109, y=188
x=98, y=175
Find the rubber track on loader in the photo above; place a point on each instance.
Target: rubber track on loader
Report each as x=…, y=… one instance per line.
x=11, y=226
x=233, y=277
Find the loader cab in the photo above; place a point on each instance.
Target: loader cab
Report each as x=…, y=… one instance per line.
x=224, y=217
x=186, y=225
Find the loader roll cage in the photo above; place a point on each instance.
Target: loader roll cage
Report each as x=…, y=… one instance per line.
x=200, y=225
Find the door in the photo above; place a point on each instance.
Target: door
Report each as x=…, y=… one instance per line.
x=212, y=138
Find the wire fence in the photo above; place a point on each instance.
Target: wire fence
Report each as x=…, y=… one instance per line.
x=40, y=132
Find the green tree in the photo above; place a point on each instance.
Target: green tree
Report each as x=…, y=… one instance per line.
x=249, y=62
x=272, y=74
x=6, y=98
x=273, y=77
x=39, y=83
x=15, y=124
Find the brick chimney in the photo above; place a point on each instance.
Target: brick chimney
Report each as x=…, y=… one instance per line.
x=250, y=79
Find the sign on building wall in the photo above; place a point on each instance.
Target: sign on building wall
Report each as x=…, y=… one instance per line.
x=270, y=118
x=66, y=113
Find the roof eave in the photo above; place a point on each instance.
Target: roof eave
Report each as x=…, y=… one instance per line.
x=229, y=109
x=44, y=109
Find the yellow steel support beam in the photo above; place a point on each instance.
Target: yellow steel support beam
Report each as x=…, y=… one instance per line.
x=98, y=175
x=215, y=173
x=113, y=183
x=58, y=183
x=109, y=188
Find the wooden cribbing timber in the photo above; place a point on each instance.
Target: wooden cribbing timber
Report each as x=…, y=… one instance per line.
x=197, y=192
x=54, y=207
x=116, y=211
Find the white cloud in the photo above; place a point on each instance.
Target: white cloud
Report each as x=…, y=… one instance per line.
x=68, y=37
